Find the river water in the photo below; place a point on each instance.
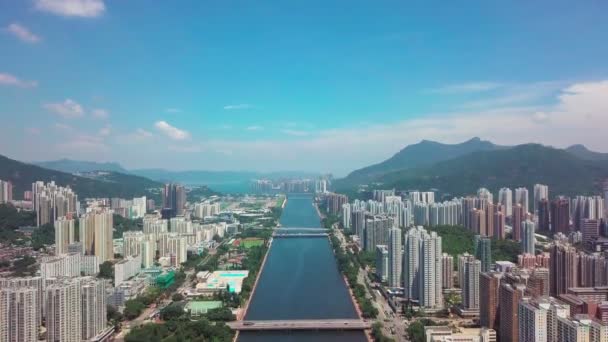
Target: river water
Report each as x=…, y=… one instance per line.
x=301, y=280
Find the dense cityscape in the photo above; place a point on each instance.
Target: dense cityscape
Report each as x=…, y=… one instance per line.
x=519, y=266
x=316, y=171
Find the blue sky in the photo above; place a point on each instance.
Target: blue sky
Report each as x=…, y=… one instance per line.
x=307, y=85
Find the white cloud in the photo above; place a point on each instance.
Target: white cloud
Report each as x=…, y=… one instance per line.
x=238, y=106
x=469, y=87
x=105, y=131
x=22, y=33
x=11, y=80
x=72, y=8
x=68, y=109
x=100, y=114
x=296, y=133
x=171, y=131
x=254, y=128
x=173, y=110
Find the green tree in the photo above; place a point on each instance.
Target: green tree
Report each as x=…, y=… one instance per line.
x=133, y=308
x=106, y=270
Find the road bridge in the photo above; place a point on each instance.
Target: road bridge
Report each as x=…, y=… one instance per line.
x=301, y=324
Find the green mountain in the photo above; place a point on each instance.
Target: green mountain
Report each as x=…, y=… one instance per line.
x=522, y=165
x=584, y=153
x=417, y=155
x=92, y=184
x=77, y=166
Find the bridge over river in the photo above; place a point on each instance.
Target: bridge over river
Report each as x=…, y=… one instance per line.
x=301, y=324
x=295, y=232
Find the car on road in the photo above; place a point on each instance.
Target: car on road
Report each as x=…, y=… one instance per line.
x=248, y=323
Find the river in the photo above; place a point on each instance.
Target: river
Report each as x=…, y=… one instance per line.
x=301, y=280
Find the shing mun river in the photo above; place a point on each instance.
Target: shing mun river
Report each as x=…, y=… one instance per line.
x=301, y=280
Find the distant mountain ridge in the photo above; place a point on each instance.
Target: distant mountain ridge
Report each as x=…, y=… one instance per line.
x=78, y=166
x=566, y=171
x=423, y=153
x=105, y=184
x=584, y=153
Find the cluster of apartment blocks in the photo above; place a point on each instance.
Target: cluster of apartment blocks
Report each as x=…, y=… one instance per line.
x=72, y=307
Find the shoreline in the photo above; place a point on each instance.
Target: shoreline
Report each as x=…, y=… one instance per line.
x=243, y=313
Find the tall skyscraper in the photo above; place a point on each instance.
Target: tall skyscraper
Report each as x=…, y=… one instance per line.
x=96, y=230
x=563, y=268
x=560, y=215
x=93, y=308
x=64, y=234
x=422, y=271
x=470, y=289
x=64, y=311
x=499, y=225
x=395, y=258
x=6, y=192
x=174, y=199
x=519, y=215
x=447, y=268
x=541, y=192
x=346, y=216
x=590, y=230
x=51, y=202
x=532, y=322
x=521, y=198
x=431, y=295
x=489, y=285
x=528, y=229
x=505, y=198
x=19, y=311
x=544, y=217
x=382, y=263
x=483, y=252
x=509, y=297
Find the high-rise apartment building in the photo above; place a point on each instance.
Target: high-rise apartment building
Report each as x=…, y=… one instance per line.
x=52, y=202
x=382, y=263
x=499, y=225
x=521, y=198
x=64, y=234
x=483, y=252
x=528, y=229
x=505, y=198
x=563, y=268
x=93, y=308
x=346, y=212
x=519, y=215
x=422, y=271
x=96, y=229
x=470, y=288
x=447, y=267
x=541, y=192
x=544, y=216
x=395, y=258
x=6, y=192
x=489, y=286
x=532, y=322
x=19, y=314
x=560, y=215
x=590, y=230
x=174, y=199
x=509, y=297
x=64, y=311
